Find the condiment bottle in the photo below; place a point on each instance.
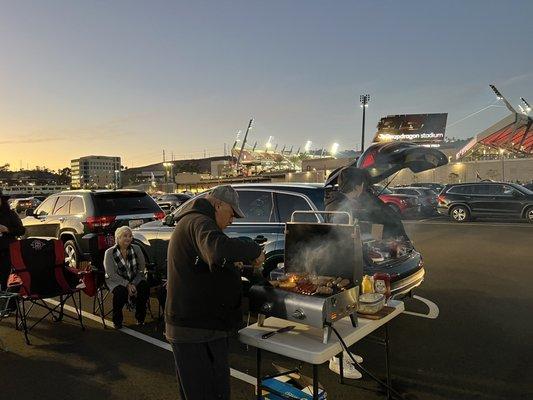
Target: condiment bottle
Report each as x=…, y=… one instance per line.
x=382, y=284
x=367, y=285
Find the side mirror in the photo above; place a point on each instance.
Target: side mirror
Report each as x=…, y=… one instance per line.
x=30, y=212
x=169, y=220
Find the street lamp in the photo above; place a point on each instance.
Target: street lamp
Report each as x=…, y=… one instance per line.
x=364, y=99
x=502, y=151
x=334, y=149
x=117, y=177
x=168, y=169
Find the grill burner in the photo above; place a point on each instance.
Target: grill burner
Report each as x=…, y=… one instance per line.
x=323, y=265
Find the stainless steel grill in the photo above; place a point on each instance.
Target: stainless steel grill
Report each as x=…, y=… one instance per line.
x=317, y=255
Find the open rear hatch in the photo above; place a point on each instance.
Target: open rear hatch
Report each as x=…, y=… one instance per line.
x=381, y=160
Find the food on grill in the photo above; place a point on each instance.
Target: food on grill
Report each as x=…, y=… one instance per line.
x=324, y=290
x=343, y=283
x=288, y=284
x=310, y=284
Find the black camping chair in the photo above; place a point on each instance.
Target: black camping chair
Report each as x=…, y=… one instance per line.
x=155, y=283
x=39, y=272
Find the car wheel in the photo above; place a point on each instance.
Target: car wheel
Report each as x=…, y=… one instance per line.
x=71, y=253
x=460, y=214
x=529, y=215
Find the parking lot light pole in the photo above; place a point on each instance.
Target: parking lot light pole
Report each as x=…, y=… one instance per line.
x=502, y=151
x=364, y=99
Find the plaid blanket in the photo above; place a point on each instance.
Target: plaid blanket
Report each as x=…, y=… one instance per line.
x=126, y=268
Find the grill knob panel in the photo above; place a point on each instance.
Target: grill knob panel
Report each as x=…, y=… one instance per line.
x=298, y=314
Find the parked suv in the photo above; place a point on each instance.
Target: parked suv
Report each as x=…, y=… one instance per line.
x=462, y=202
x=169, y=202
x=20, y=205
x=267, y=207
x=404, y=204
x=86, y=220
x=426, y=196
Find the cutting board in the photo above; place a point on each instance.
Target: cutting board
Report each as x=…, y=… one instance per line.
x=386, y=310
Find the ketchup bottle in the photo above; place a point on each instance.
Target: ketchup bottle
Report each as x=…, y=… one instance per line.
x=382, y=284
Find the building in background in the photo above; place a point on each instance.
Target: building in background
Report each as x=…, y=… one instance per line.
x=95, y=172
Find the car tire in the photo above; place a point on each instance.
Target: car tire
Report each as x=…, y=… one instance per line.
x=460, y=214
x=72, y=255
x=529, y=215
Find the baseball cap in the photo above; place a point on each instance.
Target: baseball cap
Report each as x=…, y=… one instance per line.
x=228, y=195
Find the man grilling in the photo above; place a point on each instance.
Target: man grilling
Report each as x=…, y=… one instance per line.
x=204, y=295
x=355, y=196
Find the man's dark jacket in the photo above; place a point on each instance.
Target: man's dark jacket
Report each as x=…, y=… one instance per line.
x=204, y=287
x=10, y=219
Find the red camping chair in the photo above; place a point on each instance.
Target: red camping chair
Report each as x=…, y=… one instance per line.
x=40, y=272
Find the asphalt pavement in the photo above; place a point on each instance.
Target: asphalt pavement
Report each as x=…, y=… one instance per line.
x=478, y=347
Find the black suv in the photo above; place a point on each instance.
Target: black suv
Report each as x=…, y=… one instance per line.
x=267, y=207
x=86, y=220
x=169, y=202
x=465, y=201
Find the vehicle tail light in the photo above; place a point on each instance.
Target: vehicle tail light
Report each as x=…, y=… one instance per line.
x=159, y=215
x=98, y=223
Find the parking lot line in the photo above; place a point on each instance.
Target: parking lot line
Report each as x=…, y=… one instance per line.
x=477, y=224
x=156, y=342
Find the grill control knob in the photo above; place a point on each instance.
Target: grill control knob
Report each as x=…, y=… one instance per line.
x=266, y=307
x=298, y=314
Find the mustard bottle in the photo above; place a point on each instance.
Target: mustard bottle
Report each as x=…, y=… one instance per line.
x=367, y=286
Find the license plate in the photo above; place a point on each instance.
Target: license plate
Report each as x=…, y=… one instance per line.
x=134, y=223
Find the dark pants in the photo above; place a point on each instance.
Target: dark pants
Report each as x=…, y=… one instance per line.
x=5, y=268
x=120, y=298
x=202, y=370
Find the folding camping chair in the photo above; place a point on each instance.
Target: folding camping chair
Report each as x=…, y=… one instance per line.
x=40, y=273
x=102, y=293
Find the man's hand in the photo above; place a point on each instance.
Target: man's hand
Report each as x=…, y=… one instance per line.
x=3, y=229
x=259, y=260
x=132, y=290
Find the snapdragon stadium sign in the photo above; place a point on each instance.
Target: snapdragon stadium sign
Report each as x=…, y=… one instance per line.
x=417, y=128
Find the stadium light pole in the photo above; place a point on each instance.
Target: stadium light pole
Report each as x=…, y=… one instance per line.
x=364, y=100
x=502, y=151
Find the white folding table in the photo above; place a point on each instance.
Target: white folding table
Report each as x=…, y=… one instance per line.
x=304, y=343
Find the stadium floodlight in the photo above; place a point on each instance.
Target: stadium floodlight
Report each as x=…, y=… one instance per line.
x=307, y=146
x=364, y=99
x=496, y=92
x=528, y=107
x=334, y=149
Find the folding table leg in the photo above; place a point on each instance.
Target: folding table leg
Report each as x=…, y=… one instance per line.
x=387, y=361
x=341, y=367
x=315, y=382
x=258, y=362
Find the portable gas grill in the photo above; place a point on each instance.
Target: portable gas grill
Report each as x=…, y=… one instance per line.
x=314, y=253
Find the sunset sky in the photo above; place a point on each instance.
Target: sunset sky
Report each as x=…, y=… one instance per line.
x=131, y=78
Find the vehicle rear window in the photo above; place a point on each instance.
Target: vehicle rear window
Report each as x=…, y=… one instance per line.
x=76, y=206
x=288, y=203
x=256, y=205
x=123, y=203
x=459, y=190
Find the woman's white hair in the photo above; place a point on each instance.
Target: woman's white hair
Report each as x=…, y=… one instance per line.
x=121, y=231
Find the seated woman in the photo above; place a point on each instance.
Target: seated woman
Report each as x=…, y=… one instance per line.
x=125, y=276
